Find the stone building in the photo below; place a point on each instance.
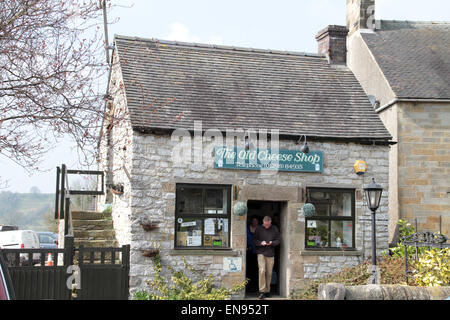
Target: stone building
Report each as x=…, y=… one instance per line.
x=172, y=100
x=404, y=66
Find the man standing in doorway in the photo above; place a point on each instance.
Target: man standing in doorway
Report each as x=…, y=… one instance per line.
x=266, y=238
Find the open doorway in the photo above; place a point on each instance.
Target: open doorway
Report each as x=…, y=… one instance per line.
x=258, y=210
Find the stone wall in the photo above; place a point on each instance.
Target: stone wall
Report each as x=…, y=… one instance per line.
x=152, y=197
x=424, y=164
x=337, y=291
x=115, y=157
x=365, y=68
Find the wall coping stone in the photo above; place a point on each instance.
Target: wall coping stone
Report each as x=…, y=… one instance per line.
x=337, y=291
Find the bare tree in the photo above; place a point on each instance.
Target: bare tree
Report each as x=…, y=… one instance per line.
x=52, y=80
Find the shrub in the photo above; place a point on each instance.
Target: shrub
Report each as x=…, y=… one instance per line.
x=182, y=287
x=405, y=229
x=107, y=209
x=433, y=268
x=392, y=271
x=357, y=275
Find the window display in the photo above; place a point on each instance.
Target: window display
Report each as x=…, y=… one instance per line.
x=202, y=216
x=332, y=225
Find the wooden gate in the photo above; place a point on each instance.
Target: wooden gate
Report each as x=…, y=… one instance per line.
x=101, y=273
x=40, y=274
x=104, y=273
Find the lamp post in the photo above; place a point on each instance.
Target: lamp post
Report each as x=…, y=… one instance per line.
x=373, y=195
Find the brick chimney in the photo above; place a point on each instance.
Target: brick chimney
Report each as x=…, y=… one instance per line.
x=333, y=44
x=360, y=15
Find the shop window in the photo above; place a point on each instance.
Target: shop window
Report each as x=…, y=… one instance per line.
x=333, y=224
x=202, y=218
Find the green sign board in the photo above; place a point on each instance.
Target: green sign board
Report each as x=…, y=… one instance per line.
x=268, y=159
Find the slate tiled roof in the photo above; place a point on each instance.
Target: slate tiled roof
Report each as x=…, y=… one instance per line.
x=171, y=84
x=414, y=57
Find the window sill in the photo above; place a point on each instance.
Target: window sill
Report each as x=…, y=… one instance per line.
x=204, y=252
x=312, y=252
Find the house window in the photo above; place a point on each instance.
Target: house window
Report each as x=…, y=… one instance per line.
x=202, y=216
x=333, y=224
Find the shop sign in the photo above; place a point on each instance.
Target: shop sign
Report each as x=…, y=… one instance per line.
x=268, y=159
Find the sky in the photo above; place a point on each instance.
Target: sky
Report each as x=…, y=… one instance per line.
x=266, y=24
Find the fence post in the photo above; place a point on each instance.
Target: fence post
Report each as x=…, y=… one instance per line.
x=68, y=250
x=58, y=173
x=63, y=188
x=126, y=275
x=406, y=263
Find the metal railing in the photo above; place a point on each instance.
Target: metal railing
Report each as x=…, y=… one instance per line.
x=63, y=192
x=423, y=240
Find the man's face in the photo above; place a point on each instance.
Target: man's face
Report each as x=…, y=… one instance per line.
x=267, y=223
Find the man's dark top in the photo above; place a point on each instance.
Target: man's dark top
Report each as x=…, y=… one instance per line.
x=263, y=234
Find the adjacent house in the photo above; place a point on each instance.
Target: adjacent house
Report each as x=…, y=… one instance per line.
x=405, y=67
x=224, y=103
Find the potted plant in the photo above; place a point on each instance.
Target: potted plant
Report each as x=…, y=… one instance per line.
x=150, y=253
x=148, y=225
x=116, y=188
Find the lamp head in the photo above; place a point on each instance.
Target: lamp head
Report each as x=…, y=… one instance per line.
x=373, y=193
x=305, y=147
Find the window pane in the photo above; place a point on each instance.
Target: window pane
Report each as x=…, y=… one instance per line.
x=341, y=204
x=317, y=233
x=189, y=200
x=216, y=201
x=341, y=234
x=189, y=232
x=216, y=233
x=321, y=201
x=336, y=204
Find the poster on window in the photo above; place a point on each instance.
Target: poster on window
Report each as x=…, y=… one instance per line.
x=194, y=241
x=189, y=224
x=210, y=227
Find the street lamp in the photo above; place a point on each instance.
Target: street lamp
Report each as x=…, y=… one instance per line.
x=373, y=195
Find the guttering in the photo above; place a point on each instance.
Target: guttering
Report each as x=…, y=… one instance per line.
x=293, y=137
x=389, y=104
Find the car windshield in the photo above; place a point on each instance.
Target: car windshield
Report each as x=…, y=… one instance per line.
x=45, y=238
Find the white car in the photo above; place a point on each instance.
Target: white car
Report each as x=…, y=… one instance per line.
x=20, y=239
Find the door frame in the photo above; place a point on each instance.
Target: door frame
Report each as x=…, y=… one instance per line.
x=283, y=257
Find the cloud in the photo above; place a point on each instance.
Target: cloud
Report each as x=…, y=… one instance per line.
x=180, y=32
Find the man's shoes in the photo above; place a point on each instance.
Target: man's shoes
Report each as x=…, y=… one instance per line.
x=267, y=295
x=261, y=296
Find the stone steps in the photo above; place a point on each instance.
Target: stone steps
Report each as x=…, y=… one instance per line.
x=93, y=229
x=100, y=224
x=95, y=234
x=90, y=215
